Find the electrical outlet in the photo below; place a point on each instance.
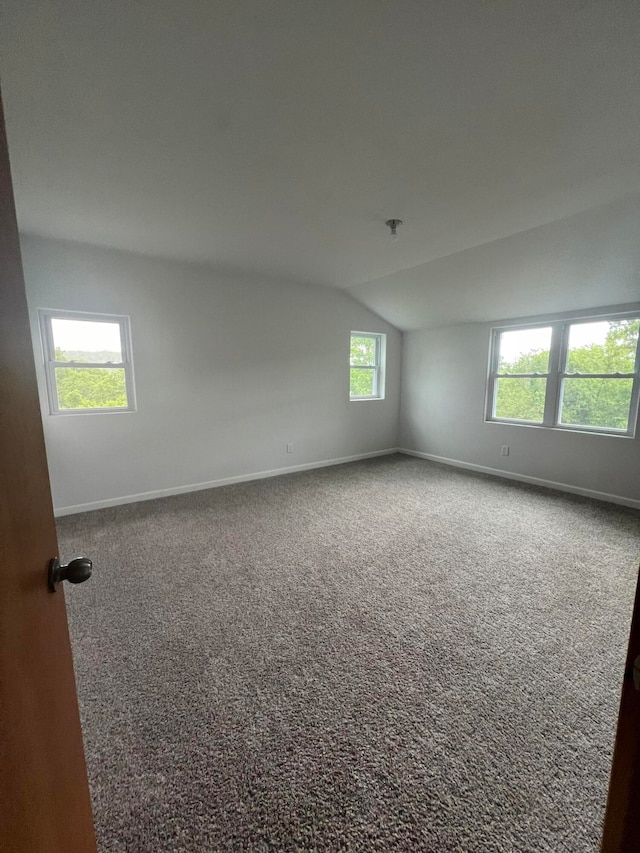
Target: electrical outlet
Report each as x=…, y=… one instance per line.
x=289, y=447
x=505, y=450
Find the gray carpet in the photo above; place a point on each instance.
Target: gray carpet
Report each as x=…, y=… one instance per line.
x=387, y=655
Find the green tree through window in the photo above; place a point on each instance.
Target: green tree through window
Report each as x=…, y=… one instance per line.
x=366, y=366
x=88, y=361
x=602, y=401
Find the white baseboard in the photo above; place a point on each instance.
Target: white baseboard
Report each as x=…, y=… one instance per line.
x=523, y=478
x=214, y=484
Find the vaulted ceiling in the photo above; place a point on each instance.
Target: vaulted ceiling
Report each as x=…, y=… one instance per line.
x=277, y=136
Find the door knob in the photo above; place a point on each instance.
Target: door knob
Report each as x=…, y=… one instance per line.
x=78, y=571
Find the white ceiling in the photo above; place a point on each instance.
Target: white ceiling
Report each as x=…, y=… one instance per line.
x=276, y=136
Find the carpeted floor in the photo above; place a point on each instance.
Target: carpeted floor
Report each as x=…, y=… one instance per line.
x=387, y=655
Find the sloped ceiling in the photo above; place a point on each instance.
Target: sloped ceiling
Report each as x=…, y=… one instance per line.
x=588, y=260
x=276, y=137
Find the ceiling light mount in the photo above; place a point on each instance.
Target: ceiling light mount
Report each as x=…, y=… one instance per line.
x=393, y=225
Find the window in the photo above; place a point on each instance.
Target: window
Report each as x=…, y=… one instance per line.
x=88, y=362
x=569, y=374
x=366, y=373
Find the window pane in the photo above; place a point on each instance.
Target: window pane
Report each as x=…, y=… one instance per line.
x=86, y=340
x=91, y=387
x=362, y=382
x=596, y=402
x=608, y=346
x=520, y=399
x=363, y=350
x=524, y=351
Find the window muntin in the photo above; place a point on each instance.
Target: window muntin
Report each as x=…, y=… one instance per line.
x=88, y=362
x=571, y=374
x=366, y=366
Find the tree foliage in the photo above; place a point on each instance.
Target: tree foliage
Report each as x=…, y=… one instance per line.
x=90, y=387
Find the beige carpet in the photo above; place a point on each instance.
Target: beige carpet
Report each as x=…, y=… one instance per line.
x=388, y=655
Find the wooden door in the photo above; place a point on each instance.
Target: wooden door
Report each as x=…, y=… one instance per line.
x=622, y=820
x=44, y=796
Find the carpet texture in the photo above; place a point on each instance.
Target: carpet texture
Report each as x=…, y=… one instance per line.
x=386, y=655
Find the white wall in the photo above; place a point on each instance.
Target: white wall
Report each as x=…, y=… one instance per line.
x=227, y=371
x=442, y=415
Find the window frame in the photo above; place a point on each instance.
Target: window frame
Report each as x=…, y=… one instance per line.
x=557, y=373
x=379, y=366
x=45, y=316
